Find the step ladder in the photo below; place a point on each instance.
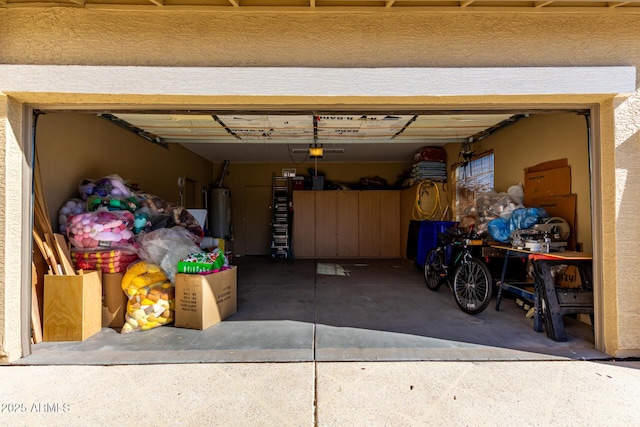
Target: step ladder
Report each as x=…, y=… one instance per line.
x=281, y=221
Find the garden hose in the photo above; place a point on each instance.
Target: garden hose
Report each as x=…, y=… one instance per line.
x=420, y=214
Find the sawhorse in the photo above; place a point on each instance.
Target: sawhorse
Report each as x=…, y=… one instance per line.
x=557, y=301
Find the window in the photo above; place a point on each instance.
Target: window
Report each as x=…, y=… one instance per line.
x=474, y=178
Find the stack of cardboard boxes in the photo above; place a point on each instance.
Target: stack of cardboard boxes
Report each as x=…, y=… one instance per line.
x=73, y=310
x=548, y=185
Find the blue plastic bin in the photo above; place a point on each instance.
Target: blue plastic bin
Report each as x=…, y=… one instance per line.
x=428, y=238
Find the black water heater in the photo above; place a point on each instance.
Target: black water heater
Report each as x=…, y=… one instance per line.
x=220, y=213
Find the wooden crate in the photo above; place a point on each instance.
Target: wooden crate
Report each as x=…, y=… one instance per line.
x=72, y=307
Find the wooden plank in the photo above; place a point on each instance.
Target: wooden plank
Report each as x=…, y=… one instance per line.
x=40, y=210
x=568, y=255
x=43, y=251
x=36, y=321
x=64, y=255
x=49, y=246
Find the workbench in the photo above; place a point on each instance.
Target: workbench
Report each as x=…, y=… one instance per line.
x=557, y=301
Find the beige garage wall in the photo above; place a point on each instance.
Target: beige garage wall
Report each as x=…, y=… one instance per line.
x=539, y=139
x=244, y=174
x=72, y=147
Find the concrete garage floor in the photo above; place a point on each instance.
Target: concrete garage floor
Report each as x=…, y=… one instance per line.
x=346, y=310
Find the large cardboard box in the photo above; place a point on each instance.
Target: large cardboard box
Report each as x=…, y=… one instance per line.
x=72, y=307
x=114, y=300
x=204, y=300
x=550, y=182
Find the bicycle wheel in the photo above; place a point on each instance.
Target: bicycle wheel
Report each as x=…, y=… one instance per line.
x=434, y=269
x=472, y=286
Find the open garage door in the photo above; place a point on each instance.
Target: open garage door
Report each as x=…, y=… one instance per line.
x=176, y=141
x=436, y=93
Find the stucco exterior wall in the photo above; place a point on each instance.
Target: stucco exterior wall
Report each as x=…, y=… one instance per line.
x=11, y=204
x=627, y=176
x=78, y=36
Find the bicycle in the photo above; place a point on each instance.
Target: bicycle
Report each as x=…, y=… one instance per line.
x=467, y=276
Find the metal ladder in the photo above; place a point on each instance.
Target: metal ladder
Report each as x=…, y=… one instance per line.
x=281, y=221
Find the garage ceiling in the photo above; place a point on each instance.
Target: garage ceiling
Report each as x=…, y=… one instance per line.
x=346, y=137
x=333, y=5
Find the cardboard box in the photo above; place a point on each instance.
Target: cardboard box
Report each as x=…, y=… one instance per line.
x=204, y=300
x=551, y=164
x=72, y=307
x=568, y=277
x=551, y=182
x=114, y=300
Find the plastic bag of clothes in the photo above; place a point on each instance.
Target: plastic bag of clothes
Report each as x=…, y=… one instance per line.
x=109, y=186
x=151, y=297
x=104, y=230
x=114, y=261
x=72, y=207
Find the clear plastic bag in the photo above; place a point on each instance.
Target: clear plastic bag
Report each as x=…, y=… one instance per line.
x=72, y=207
x=166, y=247
x=114, y=261
x=516, y=194
x=151, y=297
x=112, y=185
x=101, y=230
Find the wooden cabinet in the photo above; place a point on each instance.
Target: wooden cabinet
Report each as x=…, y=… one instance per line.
x=304, y=224
x=369, y=224
x=336, y=224
x=347, y=214
x=379, y=224
x=326, y=223
x=390, y=224
x=346, y=224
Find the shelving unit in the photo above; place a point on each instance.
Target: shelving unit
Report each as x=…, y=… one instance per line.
x=281, y=221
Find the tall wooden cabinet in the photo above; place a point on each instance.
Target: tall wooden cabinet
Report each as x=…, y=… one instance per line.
x=369, y=224
x=347, y=213
x=390, y=224
x=304, y=224
x=346, y=224
x=326, y=224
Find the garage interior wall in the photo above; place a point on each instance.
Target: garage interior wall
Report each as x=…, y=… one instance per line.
x=467, y=39
x=91, y=147
x=538, y=139
x=72, y=147
x=245, y=174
